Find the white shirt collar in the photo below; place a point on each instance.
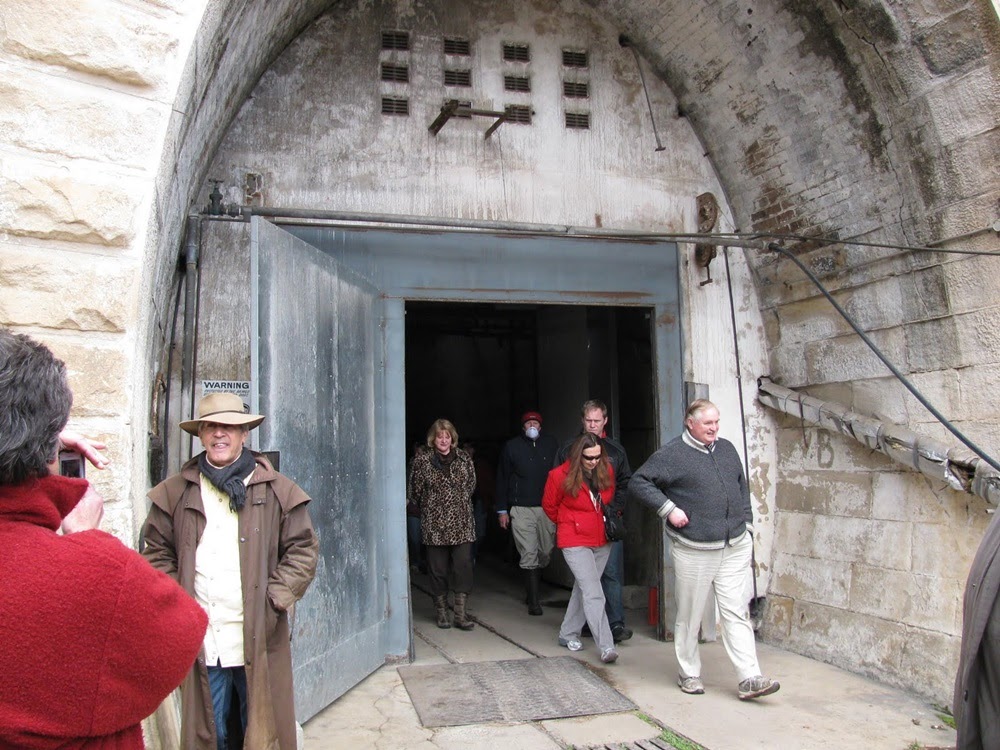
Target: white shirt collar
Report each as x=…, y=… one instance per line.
x=697, y=444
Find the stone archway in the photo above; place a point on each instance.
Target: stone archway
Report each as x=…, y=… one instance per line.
x=878, y=121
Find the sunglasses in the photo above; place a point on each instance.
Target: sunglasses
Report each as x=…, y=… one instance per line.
x=585, y=457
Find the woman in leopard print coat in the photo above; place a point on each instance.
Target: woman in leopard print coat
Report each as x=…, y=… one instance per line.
x=441, y=482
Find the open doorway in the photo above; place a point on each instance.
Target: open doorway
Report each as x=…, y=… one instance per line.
x=331, y=320
x=481, y=365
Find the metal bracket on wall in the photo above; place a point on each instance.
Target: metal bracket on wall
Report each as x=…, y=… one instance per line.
x=454, y=108
x=708, y=217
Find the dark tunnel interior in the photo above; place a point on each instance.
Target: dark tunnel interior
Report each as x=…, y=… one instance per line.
x=481, y=365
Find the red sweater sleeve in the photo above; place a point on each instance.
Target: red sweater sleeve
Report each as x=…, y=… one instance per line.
x=100, y=637
x=155, y=632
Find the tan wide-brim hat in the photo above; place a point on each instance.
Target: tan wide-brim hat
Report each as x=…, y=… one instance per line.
x=222, y=408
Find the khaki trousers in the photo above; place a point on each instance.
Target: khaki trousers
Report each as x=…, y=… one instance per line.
x=697, y=573
x=534, y=535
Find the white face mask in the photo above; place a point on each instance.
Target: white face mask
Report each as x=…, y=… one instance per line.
x=531, y=433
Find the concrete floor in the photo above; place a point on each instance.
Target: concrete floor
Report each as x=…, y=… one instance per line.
x=819, y=707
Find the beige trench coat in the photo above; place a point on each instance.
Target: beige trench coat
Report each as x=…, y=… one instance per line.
x=278, y=555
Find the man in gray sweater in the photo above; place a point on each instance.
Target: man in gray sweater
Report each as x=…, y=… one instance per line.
x=696, y=483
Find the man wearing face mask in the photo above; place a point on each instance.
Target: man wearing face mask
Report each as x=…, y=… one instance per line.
x=524, y=466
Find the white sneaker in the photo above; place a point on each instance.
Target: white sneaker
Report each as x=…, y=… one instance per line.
x=573, y=644
x=755, y=687
x=690, y=685
x=609, y=656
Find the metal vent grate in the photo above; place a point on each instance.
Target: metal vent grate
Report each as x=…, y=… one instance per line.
x=518, y=113
x=394, y=105
x=458, y=78
x=574, y=90
x=516, y=53
x=399, y=73
x=516, y=83
x=396, y=40
x=575, y=58
x=578, y=120
x=454, y=46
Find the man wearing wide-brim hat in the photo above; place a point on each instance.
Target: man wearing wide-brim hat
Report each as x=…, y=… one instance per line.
x=237, y=536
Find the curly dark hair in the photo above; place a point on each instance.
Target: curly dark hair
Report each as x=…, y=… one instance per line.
x=34, y=407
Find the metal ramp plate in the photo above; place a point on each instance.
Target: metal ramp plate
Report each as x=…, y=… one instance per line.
x=508, y=691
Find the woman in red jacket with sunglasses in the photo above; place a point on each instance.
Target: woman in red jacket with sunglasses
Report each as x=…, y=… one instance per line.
x=575, y=495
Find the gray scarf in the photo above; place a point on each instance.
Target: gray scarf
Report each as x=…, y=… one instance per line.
x=230, y=478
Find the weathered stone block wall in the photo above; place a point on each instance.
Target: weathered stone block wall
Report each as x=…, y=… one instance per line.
x=85, y=97
x=902, y=101
x=870, y=561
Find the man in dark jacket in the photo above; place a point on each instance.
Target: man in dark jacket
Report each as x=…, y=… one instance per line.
x=524, y=466
x=594, y=418
x=977, y=685
x=696, y=483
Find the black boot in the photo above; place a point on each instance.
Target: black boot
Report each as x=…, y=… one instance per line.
x=534, y=578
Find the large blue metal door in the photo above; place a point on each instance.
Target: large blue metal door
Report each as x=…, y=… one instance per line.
x=318, y=375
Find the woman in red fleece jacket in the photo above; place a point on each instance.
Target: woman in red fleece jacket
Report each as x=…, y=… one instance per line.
x=92, y=638
x=574, y=499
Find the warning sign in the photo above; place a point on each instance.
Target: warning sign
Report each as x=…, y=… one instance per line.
x=240, y=387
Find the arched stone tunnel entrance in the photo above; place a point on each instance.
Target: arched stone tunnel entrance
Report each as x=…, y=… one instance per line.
x=876, y=121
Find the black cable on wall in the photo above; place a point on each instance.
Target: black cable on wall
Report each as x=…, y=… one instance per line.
x=774, y=247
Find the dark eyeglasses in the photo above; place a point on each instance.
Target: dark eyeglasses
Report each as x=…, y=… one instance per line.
x=585, y=457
